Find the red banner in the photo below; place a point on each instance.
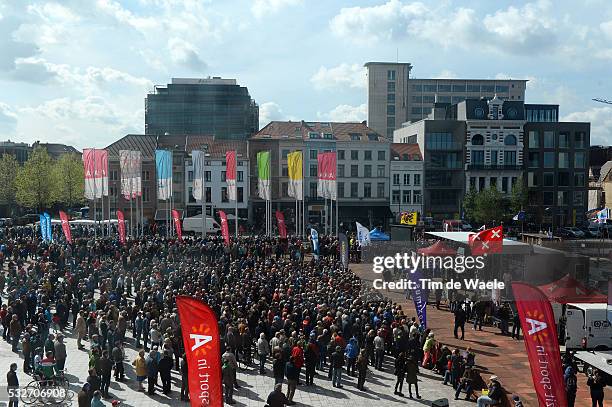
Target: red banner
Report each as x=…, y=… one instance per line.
x=540, y=334
x=224, y=227
x=65, y=226
x=200, y=330
x=177, y=223
x=121, y=225
x=230, y=174
x=282, y=228
x=487, y=241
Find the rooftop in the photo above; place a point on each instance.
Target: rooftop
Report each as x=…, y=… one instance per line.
x=333, y=131
x=215, y=80
x=405, y=152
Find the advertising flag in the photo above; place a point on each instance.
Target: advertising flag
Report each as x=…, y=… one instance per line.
x=230, y=174
x=282, y=228
x=65, y=226
x=43, y=227
x=344, y=249
x=263, y=178
x=487, y=241
x=363, y=235
x=224, y=227
x=326, y=187
x=419, y=296
x=198, y=158
x=603, y=215
x=48, y=227
x=121, y=225
x=130, y=164
x=200, y=332
x=314, y=236
x=296, y=177
x=409, y=218
x=163, y=169
x=540, y=335
x=95, y=163
x=176, y=217
x=136, y=173
x=521, y=216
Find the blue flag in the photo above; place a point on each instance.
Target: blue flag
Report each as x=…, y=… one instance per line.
x=519, y=216
x=419, y=295
x=314, y=236
x=163, y=169
x=43, y=227
x=48, y=225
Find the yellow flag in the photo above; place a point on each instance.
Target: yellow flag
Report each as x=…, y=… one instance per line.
x=294, y=164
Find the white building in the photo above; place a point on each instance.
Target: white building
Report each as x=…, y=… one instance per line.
x=406, y=179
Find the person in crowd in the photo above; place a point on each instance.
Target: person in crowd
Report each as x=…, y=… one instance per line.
x=227, y=375
x=152, y=365
x=165, y=372
x=571, y=385
x=596, y=383
x=292, y=374
x=400, y=373
x=460, y=318
x=277, y=398
x=96, y=400
x=140, y=367
x=362, y=369
x=263, y=350
x=351, y=352
x=12, y=383
x=104, y=366
x=466, y=383
x=412, y=370
x=495, y=393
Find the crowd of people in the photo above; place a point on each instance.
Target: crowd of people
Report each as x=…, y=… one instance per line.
x=279, y=310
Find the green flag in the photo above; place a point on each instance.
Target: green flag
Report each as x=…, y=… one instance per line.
x=263, y=170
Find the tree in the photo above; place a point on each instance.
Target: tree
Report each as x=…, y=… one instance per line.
x=35, y=181
x=68, y=173
x=8, y=172
x=518, y=197
x=489, y=206
x=469, y=204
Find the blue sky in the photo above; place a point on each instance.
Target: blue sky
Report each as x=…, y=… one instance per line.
x=77, y=71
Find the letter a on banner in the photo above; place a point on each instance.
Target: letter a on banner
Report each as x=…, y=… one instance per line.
x=65, y=226
x=201, y=340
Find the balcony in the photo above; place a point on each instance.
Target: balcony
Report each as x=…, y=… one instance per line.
x=507, y=167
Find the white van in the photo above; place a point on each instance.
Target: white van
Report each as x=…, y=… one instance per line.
x=193, y=225
x=590, y=321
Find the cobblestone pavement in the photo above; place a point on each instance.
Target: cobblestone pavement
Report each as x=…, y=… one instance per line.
x=254, y=388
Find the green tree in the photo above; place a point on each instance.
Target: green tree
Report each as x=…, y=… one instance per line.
x=469, y=204
x=68, y=173
x=8, y=172
x=518, y=197
x=35, y=181
x=489, y=206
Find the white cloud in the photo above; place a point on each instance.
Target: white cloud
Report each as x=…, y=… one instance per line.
x=446, y=74
x=270, y=111
x=8, y=120
x=345, y=113
x=261, y=8
x=601, y=123
x=125, y=16
x=606, y=27
x=184, y=53
x=343, y=75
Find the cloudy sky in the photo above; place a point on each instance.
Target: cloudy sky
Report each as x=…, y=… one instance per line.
x=77, y=72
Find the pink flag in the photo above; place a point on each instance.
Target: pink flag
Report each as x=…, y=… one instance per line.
x=177, y=223
x=230, y=174
x=282, y=228
x=326, y=187
x=121, y=224
x=95, y=163
x=224, y=227
x=65, y=226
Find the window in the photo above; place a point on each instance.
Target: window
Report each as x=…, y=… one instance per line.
x=407, y=179
x=145, y=175
x=477, y=157
x=534, y=139
x=284, y=154
x=396, y=179
x=313, y=154
x=504, y=186
x=380, y=190
x=390, y=75
x=487, y=88
x=458, y=88
x=146, y=194
x=446, y=160
x=563, y=179
x=391, y=110
x=416, y=197
x=390, y=121
x=457, y=99
x=354, y=189
x=580, y=140
x=493, y=157
x=367, y=171
x=313, y=135
x=430, y=88
x=443, y=197
x=444, y=99
x=380, y=171
x=481, y=183
x=340, y=154
x=417, y=88
x=563, y=160
x=428, y=99
x=114, y=175
x=285, y=171
x=548, y=198
x=417, y=180
x=579, y=159
x=239, y=176
x=223, y=176
x=493, y=182
x=441, y=141
x=509, y=157
x=367, y=190
x=340, y=189
x=390, y=87
x=578, y=198
x=549, y=160
x=354, y=154
x=501, y=89
x=473, y=88
x=533, y=160
x=562, y=198
x=224, y=196
x=510, y=140
x=354, y=171
x=313, y=189
x=367, y=155
x=207, y=176
x=340, y=170
x=391, y=98
x=532, y=179
x=477, y=140
x=416, y=110
x=382, y=156
x=240, y=194
x=444, y=88
x=563, y=140
x=579, y=178
x=395, y=196
x=313, y=170
x=549, y=179
x=472, y=184
x=549, y=139
x=406, y=197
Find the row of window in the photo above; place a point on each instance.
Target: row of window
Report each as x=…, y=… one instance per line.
x=563, y=179
x=477, y=157
x=353, y=191
x=208, y=176
x=548, y=159
x=551, y=139
x=562, y=198
x=541, y=115
x=224, y=195
x=113, y=175
x=367, y=155
x=473, y=88
x=481, y=183
x=354, y=171
x=441, y=141
x=407, y=197
x=416, y=179
x=508, y=139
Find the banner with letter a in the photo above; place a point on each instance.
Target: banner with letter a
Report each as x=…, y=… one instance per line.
x=230, y=175
x=176, y=217
x=540, y=335
x=121, y=225
x=65, y=226
x=282, y=228
x=224, y=227
x=203, y=351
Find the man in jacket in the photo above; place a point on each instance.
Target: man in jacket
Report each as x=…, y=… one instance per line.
x=337, y=362
x=152, y=370
x=165, y=368
x=379, y=350
x=104, y=366
x=263, y=350
x=277, y=398
x=118, y=361
x=351, y=352
x=12, y=383
x=60, y=352
x=292, y=374
x=494, y=396
x=228, y=382
x=81, y=329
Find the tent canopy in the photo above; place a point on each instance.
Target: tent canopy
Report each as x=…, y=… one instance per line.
x=567, y=289
x=376, y=234
x=437, y=249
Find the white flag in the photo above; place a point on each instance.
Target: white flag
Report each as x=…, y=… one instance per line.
x=363, y=235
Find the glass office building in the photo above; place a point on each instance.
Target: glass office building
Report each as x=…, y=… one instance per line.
x=210, y=106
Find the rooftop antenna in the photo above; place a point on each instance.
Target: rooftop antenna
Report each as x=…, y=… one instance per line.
x=397, y=55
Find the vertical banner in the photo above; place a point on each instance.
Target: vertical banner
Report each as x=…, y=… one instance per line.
x=343, y=244
x=121, y=225
x=89, y=167
x=419, y=296
x=224, y=227
x=66, y=226
x=197, y=157
x=48, y=227
x=314, y=236
x=263, y=178
x=95, y=163
x=163, y=170
x=136, y=158
x=230, y=175
x=101, y=173
x=540, y=335
x=43, y=227
x=126, y=173
x=294, y=167
x=176, y=217
x=200, y=331
x=326, y=186
x=282, y=228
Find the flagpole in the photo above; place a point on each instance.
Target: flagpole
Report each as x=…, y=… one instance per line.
x=303, y=195
x=202, y=195
x=95, y=214
x=102, y=199
x=236, y=190
x=337, y=197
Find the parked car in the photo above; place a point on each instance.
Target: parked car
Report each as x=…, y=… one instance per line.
x=592, y=231
x=576, y=232
x=569, y=233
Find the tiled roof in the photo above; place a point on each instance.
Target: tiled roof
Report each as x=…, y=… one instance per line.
x=139, y=142
x=340, y=131
x=56, y=148
x=406, y=152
